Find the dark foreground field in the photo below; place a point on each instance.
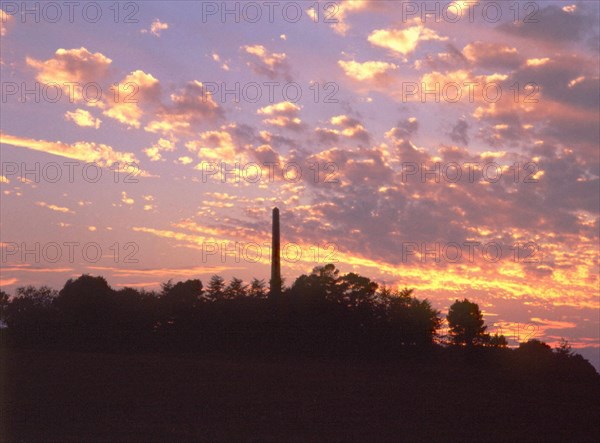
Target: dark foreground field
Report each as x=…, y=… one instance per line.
x=68, y=396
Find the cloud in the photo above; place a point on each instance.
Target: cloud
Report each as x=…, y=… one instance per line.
x=156, y=28
x=404, y=129
x=149, y=206
x=557, y=104
x=554, y=324
x=270, y=64
x=351, y=127
x=283, y=114
x=553, y=24
x=4, y=19
x=88, y=152
x=189, y=106
x=8, y=281
x=54, y=207
x=283, y=108
x=137, y=89
x=339, y=14
x=126, y=199
x=492, y=55
x=265, y=154
x=214, y=146
x=403, y=41
x=126, y=101
x=27, y=268
x=81, y=117
x=367, y=70
x=537, y=61
x=72, y=65
x=185, y=160
x=162, y=145
x=451, y=59
x=191, y=272
x=459, y=132
x=217, y=58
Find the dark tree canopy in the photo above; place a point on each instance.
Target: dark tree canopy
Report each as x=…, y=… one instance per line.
x=324, y=312
x=466, y=323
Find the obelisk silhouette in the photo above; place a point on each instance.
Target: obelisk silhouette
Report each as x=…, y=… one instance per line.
x=275, y=283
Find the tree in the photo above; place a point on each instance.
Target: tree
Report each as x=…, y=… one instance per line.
x=320, y=285
x=180, y=299
x=179, y=304
x=497, y=341
x=182, y=295
x=412, y=321
x=236, y=289
x=4, y=302
x=216, y=288
x=356, y=291
x=138, y=311
x=257, y=288
x=535, y=347
x=31, y=312
x=535, y=354
x=29, y=307
x=87, y=306
x=564, y=348
x=466, y=323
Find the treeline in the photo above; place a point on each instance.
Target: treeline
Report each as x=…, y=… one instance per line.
x=321, y=313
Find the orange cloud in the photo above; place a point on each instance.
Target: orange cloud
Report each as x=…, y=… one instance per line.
x=72, y=66
x=124, y=104
x=54, y=207
x=8, y=281
x=101, y=154
x=156, y=28
x=366, y=70
x=214, y=145
x=4, y=19
x=81, y=117
x=403, y=41
x=162, y=145
x=284, y=114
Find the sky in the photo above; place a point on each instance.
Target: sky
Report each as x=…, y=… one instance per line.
x=450, y=147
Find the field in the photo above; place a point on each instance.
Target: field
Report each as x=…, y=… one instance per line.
x=68, y=396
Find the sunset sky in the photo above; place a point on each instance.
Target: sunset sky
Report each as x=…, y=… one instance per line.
x=330, y=114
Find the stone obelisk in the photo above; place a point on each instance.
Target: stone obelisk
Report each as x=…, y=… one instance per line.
x=275, y=283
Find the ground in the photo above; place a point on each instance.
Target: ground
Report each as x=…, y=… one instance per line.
x=69, y=396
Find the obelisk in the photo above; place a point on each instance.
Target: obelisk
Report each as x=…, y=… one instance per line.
x=275, y=283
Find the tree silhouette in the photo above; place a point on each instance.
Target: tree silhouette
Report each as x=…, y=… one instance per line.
x=216, y=288
x=4, y=303
x=466, y=323
x=235, y=289
x=323, y=312
x=258, y=288
x=535, y=347
x=497, y=341
x=179, y=302
x=564, y=348
x=356, y=291
x=30, y=312
x=412, y=321
x=182, y=295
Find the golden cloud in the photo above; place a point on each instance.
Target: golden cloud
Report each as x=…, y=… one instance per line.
x=71, y=66
x=403, y=41
x=88, y=152
x=366, y=70
x=81, y=117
